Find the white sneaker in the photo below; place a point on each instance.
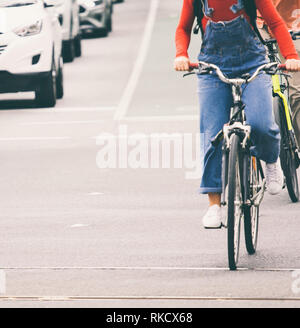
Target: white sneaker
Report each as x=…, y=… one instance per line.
x=274, y=177
x=213, y=218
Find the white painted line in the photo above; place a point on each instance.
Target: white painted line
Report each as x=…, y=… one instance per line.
x=84, y=109
x=141, y=136
x=62, y=122
x=112, y=268
x=96, y=193
x=171, y=118
x=142, y=297
x=33, y=138
x=67, y=109
x=79, y=225
x=141, y=58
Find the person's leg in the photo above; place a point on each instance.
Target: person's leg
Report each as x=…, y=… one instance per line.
x=264, y=131
x=215, y=100
x=257, y=97
x=214, y=198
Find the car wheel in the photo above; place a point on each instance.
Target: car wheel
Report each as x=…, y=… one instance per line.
x=68, y=51
x=60, y=81
x=109, y=24
x=45, y=96
x=77, y=46
x=101, y=32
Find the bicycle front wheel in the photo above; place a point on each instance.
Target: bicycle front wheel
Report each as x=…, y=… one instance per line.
x=288, y=155
x=251, y=211
x=235, y=203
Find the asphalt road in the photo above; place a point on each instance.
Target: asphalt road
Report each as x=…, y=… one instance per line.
x=73, y=234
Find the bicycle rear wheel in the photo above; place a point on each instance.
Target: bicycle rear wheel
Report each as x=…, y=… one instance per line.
x=234, y=203
x=288, y=156
x=251, y=212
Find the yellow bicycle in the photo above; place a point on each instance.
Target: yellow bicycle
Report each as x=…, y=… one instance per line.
x=289, y=155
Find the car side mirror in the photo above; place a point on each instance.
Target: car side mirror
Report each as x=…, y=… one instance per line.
x=53, y=3
x=47, y=5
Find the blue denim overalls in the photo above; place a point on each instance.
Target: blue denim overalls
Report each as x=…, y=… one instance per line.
x=236, y=49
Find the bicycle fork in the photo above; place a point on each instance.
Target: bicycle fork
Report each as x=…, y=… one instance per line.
x=248, y=200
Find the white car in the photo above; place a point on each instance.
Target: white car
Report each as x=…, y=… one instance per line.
x=30, y=50
x=68, y=11
x=96, y=16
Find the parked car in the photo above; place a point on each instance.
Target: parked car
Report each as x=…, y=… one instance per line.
x=96, y=16
x=30, y=50
x=68, y=11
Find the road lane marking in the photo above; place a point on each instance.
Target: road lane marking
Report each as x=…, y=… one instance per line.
x=84, y=109
x=161, y=118
x=141, y=58
x=96, y=193
x=116, y=268
x=34, y=138
x=125, y=297
x=79, y=225
x=65, y=109
x=62, y=122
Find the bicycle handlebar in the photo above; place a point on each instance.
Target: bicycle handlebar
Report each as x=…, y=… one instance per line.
x=295, y=36
x=206, y=68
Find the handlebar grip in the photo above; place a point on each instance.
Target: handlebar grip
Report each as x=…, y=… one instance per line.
x=194, y=65
x=282, y=67
x=295, y=35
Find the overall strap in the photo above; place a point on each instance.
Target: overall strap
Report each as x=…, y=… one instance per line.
x=199, y=14
x=250, y=9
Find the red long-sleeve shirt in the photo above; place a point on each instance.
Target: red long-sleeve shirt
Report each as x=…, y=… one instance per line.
x=222, y=12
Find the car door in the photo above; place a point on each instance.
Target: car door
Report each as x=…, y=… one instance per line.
x=56, y=28
x=75, y=20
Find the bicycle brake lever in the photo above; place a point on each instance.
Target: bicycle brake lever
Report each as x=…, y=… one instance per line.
x=286, y=75
x=271, y=71
x=187, y=74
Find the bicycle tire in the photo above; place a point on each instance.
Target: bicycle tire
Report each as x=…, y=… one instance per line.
x=254, y=181
x=234, y=198
x=287, y=151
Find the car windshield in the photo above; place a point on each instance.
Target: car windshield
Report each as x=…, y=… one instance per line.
x=16, y=3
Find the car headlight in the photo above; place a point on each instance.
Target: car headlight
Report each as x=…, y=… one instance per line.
x=29, y=30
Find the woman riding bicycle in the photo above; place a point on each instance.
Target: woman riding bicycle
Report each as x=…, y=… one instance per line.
x=230, y=42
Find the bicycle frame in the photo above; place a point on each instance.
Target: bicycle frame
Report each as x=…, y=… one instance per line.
x=276, y=81
x=277, y=91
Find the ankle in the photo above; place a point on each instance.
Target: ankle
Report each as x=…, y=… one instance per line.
x=214, y=199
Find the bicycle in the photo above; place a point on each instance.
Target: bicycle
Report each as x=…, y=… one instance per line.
x=243, y=179
x=289, y=157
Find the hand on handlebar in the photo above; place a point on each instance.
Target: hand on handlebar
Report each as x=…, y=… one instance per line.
x=182, y=64
x=292, y=65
